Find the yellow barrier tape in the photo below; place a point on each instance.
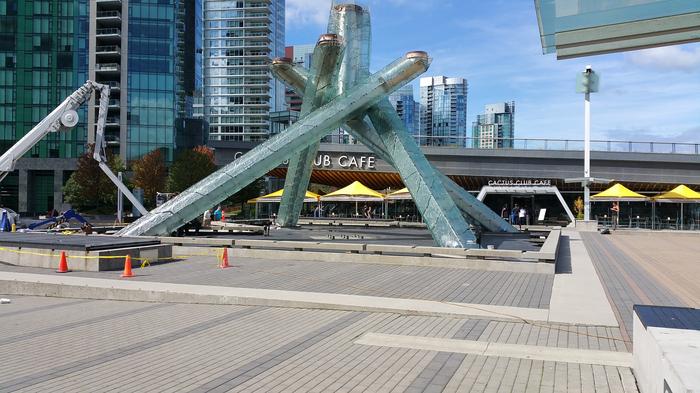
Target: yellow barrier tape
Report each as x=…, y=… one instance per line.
x=146, y=261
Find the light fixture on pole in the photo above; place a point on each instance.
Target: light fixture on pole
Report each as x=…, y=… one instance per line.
x=587, y=82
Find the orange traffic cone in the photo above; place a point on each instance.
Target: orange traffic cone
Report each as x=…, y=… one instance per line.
x=224, y=259
x=127, y=268
x=63, y=264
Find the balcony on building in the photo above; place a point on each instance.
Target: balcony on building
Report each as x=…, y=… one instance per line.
x=114, y=86
x=112, y=139
x=256, y=5
x=109, y=18
x=110, y=52
x=112, y=121
x=111, y=34
x=258, y=16
x=107, y=68
x=108, y=3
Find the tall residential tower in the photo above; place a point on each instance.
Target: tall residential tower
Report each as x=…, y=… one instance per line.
x=240, y=39
x=495, y=128
x=443, y=112
x=149, y=52
x=407, y=109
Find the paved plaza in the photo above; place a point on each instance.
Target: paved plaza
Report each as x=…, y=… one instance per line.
x=89, y=344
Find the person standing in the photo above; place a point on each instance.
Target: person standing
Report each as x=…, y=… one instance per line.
x=521, y=217
x=206, y=219
x=615, y=210
x=504, y=212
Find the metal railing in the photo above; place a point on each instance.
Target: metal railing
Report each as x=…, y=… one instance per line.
x=560, y=144
x=109, y=14
x=110, y=31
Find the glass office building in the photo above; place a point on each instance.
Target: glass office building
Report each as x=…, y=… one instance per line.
x=43, y=59
x=240, y=40
x=149, y=52
x=443, y=111
x=407, y=109
x=495, y=128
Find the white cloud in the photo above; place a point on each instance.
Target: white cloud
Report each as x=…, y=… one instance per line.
x=304, y=12
x=668, y=58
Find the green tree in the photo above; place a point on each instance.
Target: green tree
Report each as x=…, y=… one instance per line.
x=150, y=174
x=189, y=167
x=88, y=188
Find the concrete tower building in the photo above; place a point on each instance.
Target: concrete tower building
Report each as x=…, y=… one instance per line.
x=443, y=111
x=240, y=40
x=495, y=128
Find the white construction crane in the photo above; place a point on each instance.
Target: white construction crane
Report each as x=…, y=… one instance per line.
x=64, y=118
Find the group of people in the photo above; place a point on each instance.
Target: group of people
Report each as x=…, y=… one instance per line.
x=516, y=216
x=212, y=215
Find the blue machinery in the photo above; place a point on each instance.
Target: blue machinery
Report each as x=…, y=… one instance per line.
x=339, y=90
x=70, y=214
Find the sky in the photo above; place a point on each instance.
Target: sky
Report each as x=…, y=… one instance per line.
x=647, y=95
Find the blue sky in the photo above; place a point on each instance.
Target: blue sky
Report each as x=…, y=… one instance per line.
x=649, y=95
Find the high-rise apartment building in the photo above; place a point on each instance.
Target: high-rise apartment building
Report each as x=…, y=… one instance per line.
x=495, y=128
x=43, y=59
x=149, y=52
x=240, y=40
x=443, y=111
x=407, y=109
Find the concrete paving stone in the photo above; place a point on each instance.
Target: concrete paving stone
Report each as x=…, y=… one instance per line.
x=67, y=368
x=25, y=325
x=91, y=340
x=29, y=304
x=199, y=348
x=332, y=356
x=649, y=277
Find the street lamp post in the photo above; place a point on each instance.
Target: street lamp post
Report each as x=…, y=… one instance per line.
x=587, y=82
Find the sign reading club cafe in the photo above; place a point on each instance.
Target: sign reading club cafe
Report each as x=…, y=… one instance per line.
x=345, y=162
x=519, y=182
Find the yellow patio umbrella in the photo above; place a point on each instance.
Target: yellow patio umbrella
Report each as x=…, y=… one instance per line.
x=355, y=192
x=400, y=194
x=277, y=197
x=618, y=193
x=681, y=194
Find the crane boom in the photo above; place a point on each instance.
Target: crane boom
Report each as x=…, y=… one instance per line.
x=64, y=118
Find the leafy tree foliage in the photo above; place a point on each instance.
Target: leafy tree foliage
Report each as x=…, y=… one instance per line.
x=89, y=188
x=189, y=167
x=150, y=174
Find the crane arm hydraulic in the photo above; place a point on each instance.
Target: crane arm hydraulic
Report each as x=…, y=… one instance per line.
x=64, y=118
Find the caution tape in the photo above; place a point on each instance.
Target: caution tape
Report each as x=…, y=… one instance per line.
x=145, y=260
